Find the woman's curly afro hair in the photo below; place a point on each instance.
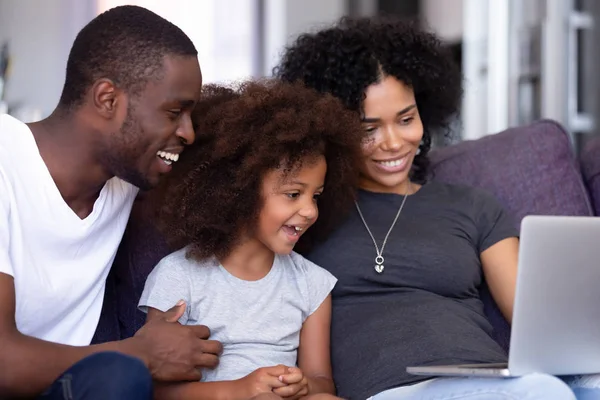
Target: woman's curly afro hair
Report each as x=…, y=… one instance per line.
x=214, y=193
x=355, y=53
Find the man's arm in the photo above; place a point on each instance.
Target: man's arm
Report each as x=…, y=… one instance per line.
x=29, y=365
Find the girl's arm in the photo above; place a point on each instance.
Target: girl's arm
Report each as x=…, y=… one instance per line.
x=314, y=358
x=499, y=263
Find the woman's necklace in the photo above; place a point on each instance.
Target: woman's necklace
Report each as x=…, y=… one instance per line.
x=379, y=259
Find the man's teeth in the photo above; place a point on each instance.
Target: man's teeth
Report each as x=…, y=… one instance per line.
x=168, y=158
x=394, y=163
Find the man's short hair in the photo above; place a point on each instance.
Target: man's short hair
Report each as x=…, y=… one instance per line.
x=126, y=44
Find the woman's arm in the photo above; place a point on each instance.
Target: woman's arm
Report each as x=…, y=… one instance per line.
x=499, y=263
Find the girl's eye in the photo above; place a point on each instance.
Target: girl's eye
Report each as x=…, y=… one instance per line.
x=293, y=195
x=316, y=196
x=370, y=130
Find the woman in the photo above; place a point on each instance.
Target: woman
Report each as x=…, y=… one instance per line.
x=412, y=257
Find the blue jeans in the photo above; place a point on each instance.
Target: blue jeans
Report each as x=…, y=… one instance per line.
x=103, y=376
x=529, y=387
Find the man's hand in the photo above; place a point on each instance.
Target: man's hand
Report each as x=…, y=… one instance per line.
x=296, y=384
x=174, y=352
x=263, y=380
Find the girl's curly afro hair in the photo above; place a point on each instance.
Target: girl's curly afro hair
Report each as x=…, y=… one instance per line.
x=213, y=194
x=355, y=53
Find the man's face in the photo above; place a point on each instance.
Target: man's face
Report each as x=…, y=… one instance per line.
x=157, y=126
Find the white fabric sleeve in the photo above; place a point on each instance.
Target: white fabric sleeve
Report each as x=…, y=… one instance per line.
x=166, y=285
x=320, y=284
x=5, y=263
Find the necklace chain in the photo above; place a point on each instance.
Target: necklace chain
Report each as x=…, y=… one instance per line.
x=379, y=259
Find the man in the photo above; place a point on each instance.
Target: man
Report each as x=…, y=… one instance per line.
x=67, y=185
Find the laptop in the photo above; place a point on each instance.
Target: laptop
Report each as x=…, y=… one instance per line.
x=556, y=316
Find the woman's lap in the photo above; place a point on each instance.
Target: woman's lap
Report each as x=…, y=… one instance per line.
x=529, y=387
x=585, y=387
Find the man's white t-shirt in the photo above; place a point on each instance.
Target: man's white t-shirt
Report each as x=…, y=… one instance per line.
x=59, y=261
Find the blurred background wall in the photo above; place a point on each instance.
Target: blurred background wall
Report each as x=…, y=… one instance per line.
x=522, y=59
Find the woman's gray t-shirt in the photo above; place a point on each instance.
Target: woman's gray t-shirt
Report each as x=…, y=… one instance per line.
x=425, y=307
x=258, y=322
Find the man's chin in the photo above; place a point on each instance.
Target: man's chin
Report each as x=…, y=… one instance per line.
x=141, y=182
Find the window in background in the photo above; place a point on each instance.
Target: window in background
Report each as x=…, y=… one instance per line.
x=224, y=32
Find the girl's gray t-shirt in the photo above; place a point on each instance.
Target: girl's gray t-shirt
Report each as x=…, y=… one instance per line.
x=258, y=322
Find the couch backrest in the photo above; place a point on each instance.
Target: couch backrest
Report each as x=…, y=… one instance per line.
x=590, y=167
x=530, y=169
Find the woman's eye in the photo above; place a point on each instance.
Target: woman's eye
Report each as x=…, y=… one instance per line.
x=407, y=120
x=316, y=196
x=370, y=130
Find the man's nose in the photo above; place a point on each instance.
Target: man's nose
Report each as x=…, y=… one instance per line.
x=185, y=131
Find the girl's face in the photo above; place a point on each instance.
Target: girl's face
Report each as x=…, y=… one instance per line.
x=393, y=133
x=290, y=205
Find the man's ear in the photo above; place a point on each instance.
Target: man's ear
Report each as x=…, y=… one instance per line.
x=106, y=98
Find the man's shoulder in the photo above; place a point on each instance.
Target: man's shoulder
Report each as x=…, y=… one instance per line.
x=16, y=141
x=11, y=130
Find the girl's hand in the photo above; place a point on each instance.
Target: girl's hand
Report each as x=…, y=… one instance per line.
x=263, y=380
x=297, y=384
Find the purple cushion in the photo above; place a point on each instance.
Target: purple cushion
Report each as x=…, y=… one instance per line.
x=530, y=169
x=141, y=249
x=590, y=167
x=108, y=326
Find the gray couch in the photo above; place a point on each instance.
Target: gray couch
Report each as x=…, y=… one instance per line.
x=531, y=170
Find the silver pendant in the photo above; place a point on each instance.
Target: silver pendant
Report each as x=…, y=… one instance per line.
x=379, y=264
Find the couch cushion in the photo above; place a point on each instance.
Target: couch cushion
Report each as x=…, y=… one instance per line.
x=530, y=169
x=590, y=167
x=141, y=249
x=108, y=328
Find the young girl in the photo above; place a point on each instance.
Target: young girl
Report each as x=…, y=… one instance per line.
x=237, y=204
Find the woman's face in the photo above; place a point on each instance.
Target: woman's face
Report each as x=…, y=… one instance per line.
x=393, y=132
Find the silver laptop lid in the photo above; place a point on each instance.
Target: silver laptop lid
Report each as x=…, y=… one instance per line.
x=556, y=318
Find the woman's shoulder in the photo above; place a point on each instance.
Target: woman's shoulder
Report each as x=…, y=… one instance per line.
x=462, y=193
